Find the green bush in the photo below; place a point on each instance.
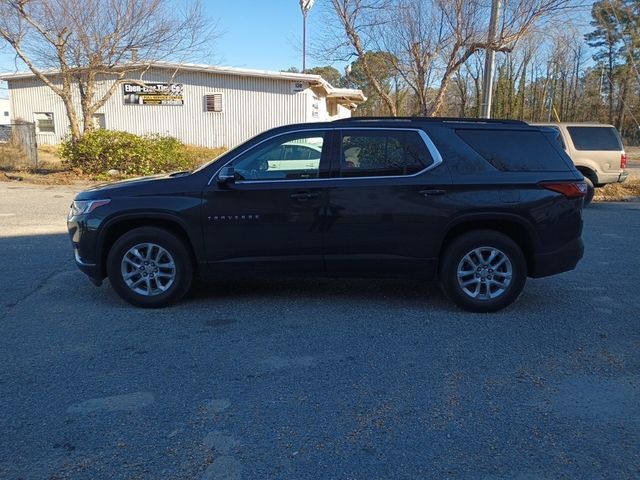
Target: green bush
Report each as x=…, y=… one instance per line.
x=101, y=150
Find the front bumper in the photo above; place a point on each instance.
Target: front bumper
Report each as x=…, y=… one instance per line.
x=558, y=261
x=83, y=241
x=89, y=269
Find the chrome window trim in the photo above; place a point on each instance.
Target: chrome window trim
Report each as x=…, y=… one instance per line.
x=433, y=150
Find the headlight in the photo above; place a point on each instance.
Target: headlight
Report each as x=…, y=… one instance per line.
x=78, y=207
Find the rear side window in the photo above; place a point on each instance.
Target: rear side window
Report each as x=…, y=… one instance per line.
x=365, y=153
x=595, y=138
x=515, y=150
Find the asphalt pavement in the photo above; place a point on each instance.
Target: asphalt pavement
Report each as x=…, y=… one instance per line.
x=315, y=379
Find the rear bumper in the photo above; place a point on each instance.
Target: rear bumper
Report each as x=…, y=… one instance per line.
x=611, y=177
x=558, y=261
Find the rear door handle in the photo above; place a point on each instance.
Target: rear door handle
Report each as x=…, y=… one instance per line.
x=432, y=192
x=304, y=196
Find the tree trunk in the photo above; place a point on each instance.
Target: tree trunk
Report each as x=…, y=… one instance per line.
x=521, y=89
x=624, y=87
x=74, y=124
x=610, y=88
x=452, y=67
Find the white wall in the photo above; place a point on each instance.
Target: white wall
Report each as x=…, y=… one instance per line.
x=5, y=111
x=250, y=106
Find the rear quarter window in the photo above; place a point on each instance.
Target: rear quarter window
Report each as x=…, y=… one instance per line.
x=554, y=133
x=515, y=150
x=595, y=138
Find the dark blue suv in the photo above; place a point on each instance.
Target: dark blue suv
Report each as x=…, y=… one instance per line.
x=479, y=205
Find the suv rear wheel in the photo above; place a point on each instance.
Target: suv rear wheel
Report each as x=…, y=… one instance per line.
x=483, y=271
x=150, y=267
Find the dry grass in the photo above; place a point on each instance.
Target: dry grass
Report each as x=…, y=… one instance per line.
x=619, y=192
x=199, y=155
x=49, y=157
x=45, y=177
x=633, y=154
x=628, y=190
x=12, y=157
x=51, y=171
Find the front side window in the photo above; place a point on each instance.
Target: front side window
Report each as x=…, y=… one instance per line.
x=287, y=157
x=365, y=153
x=44, y=122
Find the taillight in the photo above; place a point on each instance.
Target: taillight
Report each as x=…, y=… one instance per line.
x=623, y=160
x=568, y=189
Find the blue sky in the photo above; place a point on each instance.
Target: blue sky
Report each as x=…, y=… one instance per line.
x=255, y=34
x=262, y=34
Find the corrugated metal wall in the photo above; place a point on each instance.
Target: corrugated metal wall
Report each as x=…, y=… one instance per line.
x=250, y=106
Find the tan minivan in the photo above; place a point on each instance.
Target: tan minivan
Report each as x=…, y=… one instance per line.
x=596, y=150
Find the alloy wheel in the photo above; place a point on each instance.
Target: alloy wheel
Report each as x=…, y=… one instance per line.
x=148, y=269
x=484, y=273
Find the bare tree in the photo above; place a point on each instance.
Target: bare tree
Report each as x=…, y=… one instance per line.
x=352, y=37
x=432, y=39
x=73, y=46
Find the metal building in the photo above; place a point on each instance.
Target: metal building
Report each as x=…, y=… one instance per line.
x=5, y=111
x=198, y=104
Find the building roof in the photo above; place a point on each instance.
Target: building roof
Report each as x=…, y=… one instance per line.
x=343, y=95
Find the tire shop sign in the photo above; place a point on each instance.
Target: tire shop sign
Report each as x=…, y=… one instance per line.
x=153, y=93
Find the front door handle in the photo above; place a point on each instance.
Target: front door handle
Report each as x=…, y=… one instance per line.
x=303, y=195
x=431, y=192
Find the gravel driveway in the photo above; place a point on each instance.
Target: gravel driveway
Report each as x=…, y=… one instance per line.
x=310, y=379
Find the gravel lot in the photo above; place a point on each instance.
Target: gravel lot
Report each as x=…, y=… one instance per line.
x=309, y=379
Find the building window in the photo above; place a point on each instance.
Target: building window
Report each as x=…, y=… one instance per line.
x=6, y=114
x=44, y=122
x=98, y=120
x=213, y=102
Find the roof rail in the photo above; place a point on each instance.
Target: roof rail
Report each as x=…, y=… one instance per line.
x=432, y=119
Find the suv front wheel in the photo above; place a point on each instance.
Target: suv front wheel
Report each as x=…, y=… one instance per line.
x=150, y=267
x=483, y=271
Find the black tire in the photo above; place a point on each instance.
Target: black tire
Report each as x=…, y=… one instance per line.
x=181, y=272
x=591, y=190
x=478, y=239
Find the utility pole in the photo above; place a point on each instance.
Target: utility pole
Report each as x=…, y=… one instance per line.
x=305, y=6
x=490, y=60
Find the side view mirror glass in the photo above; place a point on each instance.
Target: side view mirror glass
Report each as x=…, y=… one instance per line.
x=226, y=176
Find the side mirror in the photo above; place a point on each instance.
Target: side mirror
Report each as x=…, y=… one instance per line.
x=226, y=176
